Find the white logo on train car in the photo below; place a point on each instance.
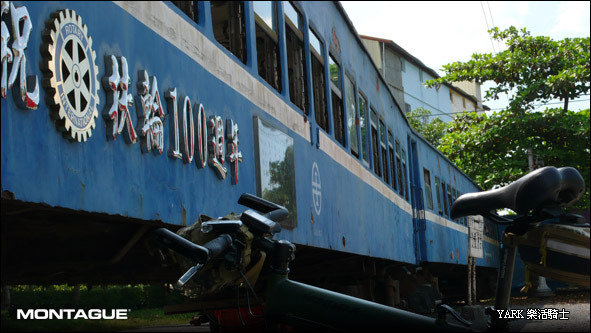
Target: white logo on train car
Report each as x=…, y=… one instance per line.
x=15, y=54
x=70, y=66
x=316, y=189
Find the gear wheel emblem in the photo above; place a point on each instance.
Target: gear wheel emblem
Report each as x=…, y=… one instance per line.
x=70, y=72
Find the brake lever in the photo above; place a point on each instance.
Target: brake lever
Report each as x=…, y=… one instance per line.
x=187, y=276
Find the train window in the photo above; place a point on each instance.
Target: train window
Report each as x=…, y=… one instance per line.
x=384, y=143
x=374, y=144
x=337, y=100
x=275, y=166
x=227, y=19
x=188, y=7
x=296, y=61
x=363, y=125
x=449, y=198
x=399, y=169
x=318, y=82
x=428, y=194
x=405, y=174
x=392, y=160
x=438, y=194
x=267, y=43
x=350, y=107
x=293, y=15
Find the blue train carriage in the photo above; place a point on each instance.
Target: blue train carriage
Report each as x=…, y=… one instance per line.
x=151, y=113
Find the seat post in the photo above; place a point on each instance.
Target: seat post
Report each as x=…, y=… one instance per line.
x=505, y=278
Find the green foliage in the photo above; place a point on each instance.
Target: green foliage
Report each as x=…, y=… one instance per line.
x=535, y=68
x=432, y=130
x=114, y=297
x=493, y=150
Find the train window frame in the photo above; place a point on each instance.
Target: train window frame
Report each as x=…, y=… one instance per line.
x=454, y=196
x=405, y=174
x=438, y=190
x=392, y=156
x=236, y=46
x=352, y=120
x=296, y=58
x=384, y=151
x=318, y=81
x=399, y=168
x=267, y=45
x=443, y=191
x=338, y=113
x=363, y=120
x=375, y=153
x=449, y=199
x=189, y=8
x=428, y=190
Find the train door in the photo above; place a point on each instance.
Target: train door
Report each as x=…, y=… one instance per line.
x=416, y=197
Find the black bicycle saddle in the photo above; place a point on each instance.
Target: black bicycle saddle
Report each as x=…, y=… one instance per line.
x=545, y=187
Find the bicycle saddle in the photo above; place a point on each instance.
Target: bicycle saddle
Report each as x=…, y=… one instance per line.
x=545, y=187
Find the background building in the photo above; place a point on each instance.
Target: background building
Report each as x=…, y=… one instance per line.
x=406, y=75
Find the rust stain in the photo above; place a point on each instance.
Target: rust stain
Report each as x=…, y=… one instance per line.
x=431, y=241
x=344, y=241
x=184, y=215
x=451, y=255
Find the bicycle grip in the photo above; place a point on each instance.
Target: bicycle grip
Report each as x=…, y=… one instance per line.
x=271, y=210
x=218, y=245
x=182, y=245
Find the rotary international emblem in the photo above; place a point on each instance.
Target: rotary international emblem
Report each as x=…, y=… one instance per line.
x=71, y=75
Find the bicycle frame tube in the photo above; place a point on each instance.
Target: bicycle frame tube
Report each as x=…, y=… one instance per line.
x=323, y=308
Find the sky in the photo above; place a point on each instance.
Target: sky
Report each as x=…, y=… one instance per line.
x=438, y=33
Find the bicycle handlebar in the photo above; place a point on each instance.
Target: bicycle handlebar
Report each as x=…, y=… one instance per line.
x=198, y=253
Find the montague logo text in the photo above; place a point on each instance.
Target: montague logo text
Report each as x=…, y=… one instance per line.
x=94, y=314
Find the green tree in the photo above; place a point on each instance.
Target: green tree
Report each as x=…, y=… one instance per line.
x=493, y=150
x=431, y=129
x=535, y=68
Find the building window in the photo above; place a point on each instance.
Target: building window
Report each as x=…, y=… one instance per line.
x=438, y=194
x=464, y=102
x=392, y=160
x=384, y=144
x=337, y=100
x=377, y=168
x=188, y=7
x=363, y=126
x=428, y=194
x=421, y=75
x=451, y=97
x=318, y=81
x=402, y=65
x=407, y=107
x=296, y=61
x=399, y=169
x=228, y=26
x=350, y=106
x=267, y=42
